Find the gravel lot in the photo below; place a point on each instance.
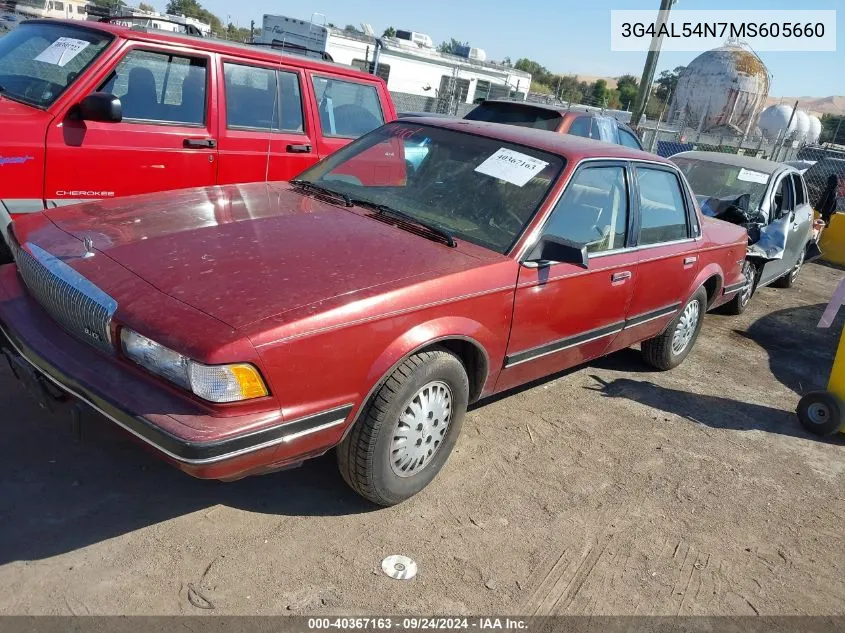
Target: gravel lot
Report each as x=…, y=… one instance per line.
x=610, y=489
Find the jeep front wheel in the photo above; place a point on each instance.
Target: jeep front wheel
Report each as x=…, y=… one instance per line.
x=407, y=430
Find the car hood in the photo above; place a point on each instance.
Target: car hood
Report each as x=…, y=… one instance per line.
x=243, y=253
x=11, y=111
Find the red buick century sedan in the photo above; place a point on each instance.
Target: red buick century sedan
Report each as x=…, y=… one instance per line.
x=242, y=329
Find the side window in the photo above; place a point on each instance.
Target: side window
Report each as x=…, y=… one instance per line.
x=593, y=210
x=663, y=215
x=798, y=188
x=252, y=100
x=347, y=109
x=782, y=202
x=581, y=126
x=160, y=87
x=628, y=140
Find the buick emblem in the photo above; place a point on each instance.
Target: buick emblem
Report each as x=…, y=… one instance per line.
x=89, y=247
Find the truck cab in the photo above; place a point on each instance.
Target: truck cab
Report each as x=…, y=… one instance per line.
x=98, y=110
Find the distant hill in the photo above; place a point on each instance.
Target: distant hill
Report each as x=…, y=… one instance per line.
x=814, y=105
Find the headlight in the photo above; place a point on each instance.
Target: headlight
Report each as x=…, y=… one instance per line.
x=215, y=383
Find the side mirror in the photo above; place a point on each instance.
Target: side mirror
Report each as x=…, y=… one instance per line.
x=100, y=106
x=551, y=249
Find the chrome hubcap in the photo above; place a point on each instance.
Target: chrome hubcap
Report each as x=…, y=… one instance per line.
x=685, y=329
x=745, y=293
x=818, y=413
x=421, y=429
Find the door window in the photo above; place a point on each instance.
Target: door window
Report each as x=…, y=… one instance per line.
x=782, y=200
x=252, y=100
x=581, y=126
x=663, y=214
x=160, y=87
x=347, y=109
x=593, y=210
x=798, y=188
x=628, y=140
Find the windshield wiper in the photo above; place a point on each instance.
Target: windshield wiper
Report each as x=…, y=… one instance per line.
x=324, y=191
x=384, y=209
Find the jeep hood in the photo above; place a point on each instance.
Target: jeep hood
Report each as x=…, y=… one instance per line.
x=243, y=253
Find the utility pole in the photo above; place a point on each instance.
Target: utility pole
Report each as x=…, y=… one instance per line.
x=647, y=78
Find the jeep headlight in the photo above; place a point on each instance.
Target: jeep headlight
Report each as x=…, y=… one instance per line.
x=215, y=383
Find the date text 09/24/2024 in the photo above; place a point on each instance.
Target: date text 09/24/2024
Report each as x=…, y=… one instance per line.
x=417, y=623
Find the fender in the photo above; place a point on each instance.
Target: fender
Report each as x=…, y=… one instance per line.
x=429, y=333
x=710, y=270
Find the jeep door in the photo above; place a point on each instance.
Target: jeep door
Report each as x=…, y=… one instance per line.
x=264, y=133
x=166, y=140
x=564, y=313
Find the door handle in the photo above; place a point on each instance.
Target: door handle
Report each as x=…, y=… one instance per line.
x=620, y=276
x=690, y=260
x=197, y=143
x=299, y=149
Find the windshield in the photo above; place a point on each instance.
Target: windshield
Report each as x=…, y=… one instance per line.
x=716, y=180
x=475, y=188
x=39, y=61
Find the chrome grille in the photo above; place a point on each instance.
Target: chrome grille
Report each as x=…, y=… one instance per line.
x=75, y=303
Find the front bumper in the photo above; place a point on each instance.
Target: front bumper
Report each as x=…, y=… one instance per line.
x=185, y=433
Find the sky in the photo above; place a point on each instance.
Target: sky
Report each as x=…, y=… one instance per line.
x=565, y=36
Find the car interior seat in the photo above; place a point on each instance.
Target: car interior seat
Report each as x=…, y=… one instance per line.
x=192, y=109
x=141, y=98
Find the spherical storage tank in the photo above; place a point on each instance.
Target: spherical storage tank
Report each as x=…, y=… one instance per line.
x=815, y=129
x=775, y=119
x=802, y=125
x=724, y=87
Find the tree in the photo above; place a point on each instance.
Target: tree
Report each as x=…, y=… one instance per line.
x=599, y=93
x=833, y=128
x=108, y=4
x=147, y=7
x=626, y=87
x=193, y=9
x=351, y=28
x=667, y=81
x=451, y=47
x=389, y=32
x=507, y=62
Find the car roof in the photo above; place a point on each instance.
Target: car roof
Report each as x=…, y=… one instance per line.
x=560, y=109
x=736, y=160
x=208, y=44
x=566, y=145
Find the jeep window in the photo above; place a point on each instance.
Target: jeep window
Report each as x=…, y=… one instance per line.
x=627, y=139
x=521, y=114
x=39, y=61
x=449, y=186
x=593, y=211
x=253, y=103
x=159, y=87
x=347, y=109
x=663, y=214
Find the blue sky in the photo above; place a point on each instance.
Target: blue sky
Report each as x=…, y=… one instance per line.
x=566, y=36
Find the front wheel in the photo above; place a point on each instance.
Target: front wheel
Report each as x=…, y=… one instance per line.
x=788, y=280
x=407, y=430
x=669, y=349
x=738, y=304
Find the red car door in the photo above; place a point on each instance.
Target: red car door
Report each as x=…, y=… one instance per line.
x=264, y=133
x=668, y=262
x=166, y=140
x=565, y=314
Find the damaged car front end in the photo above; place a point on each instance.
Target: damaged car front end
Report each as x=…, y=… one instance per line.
x=766, y=198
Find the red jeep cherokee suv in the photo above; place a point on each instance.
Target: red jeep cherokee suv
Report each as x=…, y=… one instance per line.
x=97, y=110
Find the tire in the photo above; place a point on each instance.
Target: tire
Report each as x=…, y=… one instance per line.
x=669, y=349
x=5, y=252
x=788, y=280
x=738, y=304
x=820, y=413
x=374, y=461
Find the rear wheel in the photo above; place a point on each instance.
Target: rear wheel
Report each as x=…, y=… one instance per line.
x=788, y=280
x=671, y=347
x=407, y=430
x=738, y=304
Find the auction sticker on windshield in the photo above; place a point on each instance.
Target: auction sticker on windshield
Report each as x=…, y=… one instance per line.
x=510, y=166
x=63, y=50
x=747, y=175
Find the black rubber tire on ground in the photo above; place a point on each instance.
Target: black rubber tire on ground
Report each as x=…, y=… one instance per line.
x=5, y=253
x=820, y=413
x=658, y=351
x=738, y=304
x=788, y=280
x=364, y=456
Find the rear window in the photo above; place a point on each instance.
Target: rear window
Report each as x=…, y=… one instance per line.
x=347, y=109
x=519, y=114
x=39, y=61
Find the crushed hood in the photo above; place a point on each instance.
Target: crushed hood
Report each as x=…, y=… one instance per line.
x=243, y=253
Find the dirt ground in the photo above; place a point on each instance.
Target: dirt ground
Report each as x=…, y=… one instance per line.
x=610, y=489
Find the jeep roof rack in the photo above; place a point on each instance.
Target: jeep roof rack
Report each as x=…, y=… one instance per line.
x=294, y=48
x=190, y=29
